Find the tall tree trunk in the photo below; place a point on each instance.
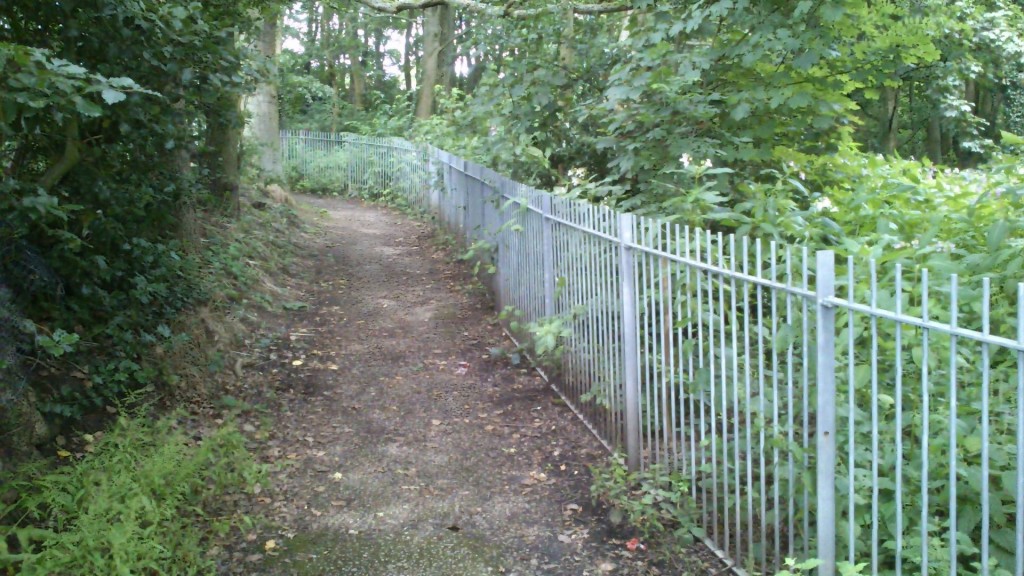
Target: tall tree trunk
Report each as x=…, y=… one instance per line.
x=964, y=156
x=266, y=127
x=476, y=74
x=328, y=34
x=357, y=73
x=312, y=32
x=888, y=120
x=223, y=143
x=446, y=57
x=437, y=63
x=990, y=103
x=933, y=145
x=377, y=55
x=407, y=56
x=566, y=48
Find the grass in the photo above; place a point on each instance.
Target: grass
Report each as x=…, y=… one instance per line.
x=144, y=501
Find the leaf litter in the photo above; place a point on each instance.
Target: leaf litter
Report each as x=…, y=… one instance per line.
x=392, y=427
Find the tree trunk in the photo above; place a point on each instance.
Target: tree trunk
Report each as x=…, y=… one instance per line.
x=357, y=73
x=566, y=48
x=446, y=56
x=436, y=64
x=933, y=145
x=266, y=126
x=312, y=32
x=888, y=118
x=327, y=33
x=476, y=74
x=223, y=141
x=407, y=56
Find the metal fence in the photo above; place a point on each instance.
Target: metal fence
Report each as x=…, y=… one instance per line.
x=845, y=411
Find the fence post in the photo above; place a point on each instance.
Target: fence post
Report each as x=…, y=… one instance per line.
x=548, y=245
x=627, y=223
x=825, y=279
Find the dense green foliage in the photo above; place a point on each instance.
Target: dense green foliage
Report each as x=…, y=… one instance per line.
x=116, y=124
x=140, y=503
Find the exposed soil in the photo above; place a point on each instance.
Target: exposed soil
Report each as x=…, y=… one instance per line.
x=396, y=445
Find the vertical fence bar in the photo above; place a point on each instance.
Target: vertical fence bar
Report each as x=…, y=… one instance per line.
x=790, y=412
x=899, y=422
x=805, y=401
x=631, y=351
x=985, y=498
x=762, y=405
x=1019, y=528
x=712, y=381
x=952, y=425
x=724, y=409
x=925, y=423
x=735, y=400
x=874, y=419
x=747, y=391
x=826, y=422
x=776, y=507
x=851, y=430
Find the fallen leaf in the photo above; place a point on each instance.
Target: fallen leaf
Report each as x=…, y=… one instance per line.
x=63, y=453
x=336, y=476
x=606, y=567
x=564, y=538
x=296, y=362
x=634, y=545
x=270, y=545
x=435, y=422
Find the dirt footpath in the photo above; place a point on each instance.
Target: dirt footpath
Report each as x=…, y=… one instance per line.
x=397, y=446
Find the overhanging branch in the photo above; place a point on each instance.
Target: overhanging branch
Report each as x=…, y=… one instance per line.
x=396, y=6
x=72, y=154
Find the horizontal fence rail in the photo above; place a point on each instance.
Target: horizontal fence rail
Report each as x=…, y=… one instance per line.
x=818, y=408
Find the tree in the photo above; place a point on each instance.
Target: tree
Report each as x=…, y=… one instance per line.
x=266, y=126
x=437, y=62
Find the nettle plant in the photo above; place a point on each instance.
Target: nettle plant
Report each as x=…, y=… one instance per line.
x=655, y=501
x=543, y=341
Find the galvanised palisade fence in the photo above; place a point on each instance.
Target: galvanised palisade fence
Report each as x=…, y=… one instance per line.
x=846, y=410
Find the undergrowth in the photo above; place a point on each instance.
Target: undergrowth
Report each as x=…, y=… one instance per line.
x=227, y=266
x=655, y=502
x=143, y=502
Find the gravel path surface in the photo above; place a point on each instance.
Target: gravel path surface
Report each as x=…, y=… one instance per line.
x=397, y=446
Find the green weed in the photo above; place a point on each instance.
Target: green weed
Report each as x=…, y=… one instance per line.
x=656, y=501
x=142, y=503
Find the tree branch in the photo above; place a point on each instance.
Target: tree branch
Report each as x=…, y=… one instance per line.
x=72, y=154
x=396, y=6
